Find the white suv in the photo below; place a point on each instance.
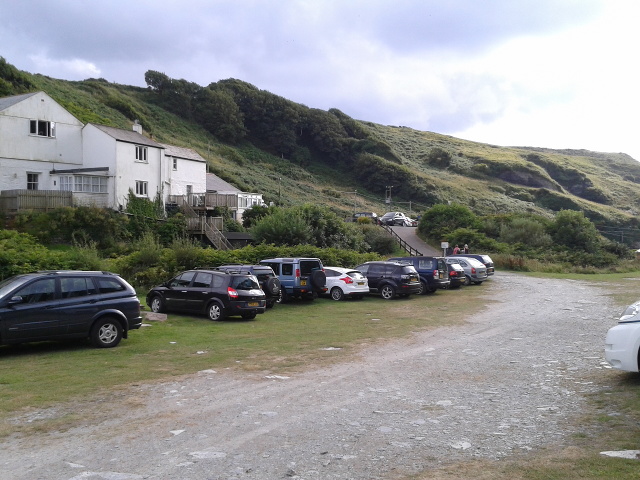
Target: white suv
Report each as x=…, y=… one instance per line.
x=622, y=345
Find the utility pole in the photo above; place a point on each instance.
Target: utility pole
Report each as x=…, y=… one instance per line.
x=388, y=194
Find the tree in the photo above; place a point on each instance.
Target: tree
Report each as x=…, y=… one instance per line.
x=440, y=220
x=218, y=113
x=157, y=81
x=573, y=230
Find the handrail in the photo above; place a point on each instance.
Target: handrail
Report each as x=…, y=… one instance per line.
x=214, y=235
x=405, y=246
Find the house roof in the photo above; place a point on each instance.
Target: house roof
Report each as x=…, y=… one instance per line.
x=6, y=102
x=128, y=136
x=181, y=152
x=216, y=184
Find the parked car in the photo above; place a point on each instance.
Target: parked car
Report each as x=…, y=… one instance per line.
x=433, y=272
x=373, y=216
x=269, y=283
x=622, y=343
x=57, y=305
x=390, y=279
x=299, y=277
x=457, y=278
x=213, y=293
x=474, y=271
x=486, y=259
x=396, y=218
x=345, y=282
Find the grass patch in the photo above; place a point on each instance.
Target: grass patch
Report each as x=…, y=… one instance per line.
x=285, y=339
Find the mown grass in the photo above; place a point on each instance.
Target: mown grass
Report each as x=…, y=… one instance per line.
x=284, y=339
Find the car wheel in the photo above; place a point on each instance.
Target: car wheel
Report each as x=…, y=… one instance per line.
x=106, y=333
x=282, y=296
x=270, y=303
x=273, y=286
x=467, y=280
x=249, y=316
x=157, y=304
x=337, y=294
x=424, y=288
x=387, y=292
x=215, y=312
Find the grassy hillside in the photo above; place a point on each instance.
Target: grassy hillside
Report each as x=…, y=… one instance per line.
x=294, y=154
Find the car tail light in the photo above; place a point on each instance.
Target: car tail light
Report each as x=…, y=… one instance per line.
x=436, y=274
x=347, y=279
x=453, y=273
x=297, y=272
x=473, y=270
x=232, y=292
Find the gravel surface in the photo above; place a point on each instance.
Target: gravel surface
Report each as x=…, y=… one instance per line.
x=511, y=379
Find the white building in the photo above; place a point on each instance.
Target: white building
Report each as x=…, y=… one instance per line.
x=44, y=147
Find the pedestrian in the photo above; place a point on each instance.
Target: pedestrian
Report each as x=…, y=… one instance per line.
x=456, y=250
x=466, y=248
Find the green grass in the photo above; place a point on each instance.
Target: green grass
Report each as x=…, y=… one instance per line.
x=285, y=339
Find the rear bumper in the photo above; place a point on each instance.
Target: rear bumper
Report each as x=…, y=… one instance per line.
x=621, y=346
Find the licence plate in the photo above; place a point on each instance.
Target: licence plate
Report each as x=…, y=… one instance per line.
x=360, y=283
x=303, y=283
x=253, y=304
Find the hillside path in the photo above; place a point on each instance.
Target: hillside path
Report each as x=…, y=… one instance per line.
x=410, y=235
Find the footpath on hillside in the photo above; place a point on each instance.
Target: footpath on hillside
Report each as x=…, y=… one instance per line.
x=410, y=235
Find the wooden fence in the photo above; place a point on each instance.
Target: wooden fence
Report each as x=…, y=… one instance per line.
x=14, y=201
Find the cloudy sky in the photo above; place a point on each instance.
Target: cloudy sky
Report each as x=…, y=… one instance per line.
x=546, y=73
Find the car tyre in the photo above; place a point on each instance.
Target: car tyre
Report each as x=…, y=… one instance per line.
x=215, y=312
x=424, y=288
x=337, y=294
x=467, y=280
x=273, y=286
x=106, y=333
x=157, y=304
x=282, y=296
x=387, y=292
x=318, y=279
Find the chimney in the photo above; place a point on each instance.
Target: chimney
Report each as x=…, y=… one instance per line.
x=137, y=127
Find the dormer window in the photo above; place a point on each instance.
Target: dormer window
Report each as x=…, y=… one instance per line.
x=42, y=128
x=141, y=154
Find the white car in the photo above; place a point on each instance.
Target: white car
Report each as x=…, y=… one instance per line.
x=622, y=345
x=474, y=270
x=345, y=282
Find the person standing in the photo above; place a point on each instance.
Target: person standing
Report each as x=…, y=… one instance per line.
x=456, y=250
x=466, y=248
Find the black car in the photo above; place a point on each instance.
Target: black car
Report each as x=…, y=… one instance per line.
x=433, y=271
x=212, y=293
x=390, y=279
x=55, y=305
x=486, y=259
x=269, y=283
x=457, y=278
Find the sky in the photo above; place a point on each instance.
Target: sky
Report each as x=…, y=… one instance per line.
x=543, y=73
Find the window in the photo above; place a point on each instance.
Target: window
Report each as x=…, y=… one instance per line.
x=141, y=188
x=109, y=285
x=42, y=290
x=141, y=154
x=83, y=183
x=175, y=164
x=203, y=280
x=32, y=181
x=42, y=128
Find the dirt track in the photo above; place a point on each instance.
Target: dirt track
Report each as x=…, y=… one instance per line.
x=507, y=382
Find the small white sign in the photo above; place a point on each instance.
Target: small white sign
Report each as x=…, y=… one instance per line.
x=444, y=244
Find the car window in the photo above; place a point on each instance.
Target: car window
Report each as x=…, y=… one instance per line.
x=389, y=269
x=274, y=266
x=202, y=280
x=426, y=263
x=308, y=266
x=363, y=268
x=218, y=281
x=408, y=270
x=331, y=273
x=109, y=285
x=355, y=275
x=41, y=290
x=245, y=283
x=182, y=280
x=287, y=269
x=376, y=269
x=76, y=287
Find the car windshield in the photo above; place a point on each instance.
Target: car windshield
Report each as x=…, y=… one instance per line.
x=245, y=283
x=10, y=284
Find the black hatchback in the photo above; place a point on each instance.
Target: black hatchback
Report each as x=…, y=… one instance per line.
x=212, y=293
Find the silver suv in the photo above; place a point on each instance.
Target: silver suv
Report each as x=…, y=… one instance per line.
x=299, y=277
x=56, y=305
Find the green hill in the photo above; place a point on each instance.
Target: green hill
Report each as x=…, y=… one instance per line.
x=293, y=154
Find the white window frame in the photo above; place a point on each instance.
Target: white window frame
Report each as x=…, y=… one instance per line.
x=84, y=183
x=142, y=188
x=142, y=154
x=175, y=163
x=42, y=128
